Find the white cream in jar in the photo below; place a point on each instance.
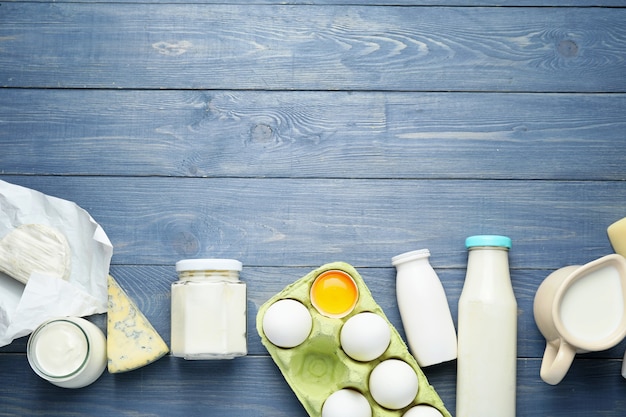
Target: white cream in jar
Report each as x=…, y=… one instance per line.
x=209, y=310
x=69, y=352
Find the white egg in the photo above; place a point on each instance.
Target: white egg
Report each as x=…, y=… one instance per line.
x=393, y=384
x=365, y=336
x=422, y=411
x=287, y=323
x=346, y=403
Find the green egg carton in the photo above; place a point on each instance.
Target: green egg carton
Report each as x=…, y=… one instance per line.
x=318, y=367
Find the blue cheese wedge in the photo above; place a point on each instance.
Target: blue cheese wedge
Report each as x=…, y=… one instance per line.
x=132, y=342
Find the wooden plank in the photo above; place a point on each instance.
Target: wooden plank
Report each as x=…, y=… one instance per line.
x=76, y=45
x=387, y=150
x=253, y=386
x=300, y=222
x=448, y=3
x=313, y=134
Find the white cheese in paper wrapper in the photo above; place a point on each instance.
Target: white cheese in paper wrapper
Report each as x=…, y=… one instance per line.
x=23, y=308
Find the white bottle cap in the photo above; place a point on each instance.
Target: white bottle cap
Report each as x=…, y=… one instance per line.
x=410, y=256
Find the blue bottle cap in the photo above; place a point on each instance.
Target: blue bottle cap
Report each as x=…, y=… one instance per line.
x=488, y=240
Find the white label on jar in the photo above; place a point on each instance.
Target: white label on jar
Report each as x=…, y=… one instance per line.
x=61, y=348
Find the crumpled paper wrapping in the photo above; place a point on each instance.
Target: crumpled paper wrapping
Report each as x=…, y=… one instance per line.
x=24, y=307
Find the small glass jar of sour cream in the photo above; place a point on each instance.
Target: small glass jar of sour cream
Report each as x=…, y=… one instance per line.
x=208, y=310
x=69, y=352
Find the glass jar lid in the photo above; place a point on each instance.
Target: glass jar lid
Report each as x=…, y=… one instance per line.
x=210, y=264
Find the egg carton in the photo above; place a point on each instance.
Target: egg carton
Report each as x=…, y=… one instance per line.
x=318, y=367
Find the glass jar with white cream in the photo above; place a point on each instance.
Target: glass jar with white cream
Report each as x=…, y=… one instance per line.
x=69, y=352
x=209, y=310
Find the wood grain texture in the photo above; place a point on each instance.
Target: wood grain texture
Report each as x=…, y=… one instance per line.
x=313, y=134
x=458, y=3
x=294, y=222
x=77, y=45
x=291, y=134
x=253, y=386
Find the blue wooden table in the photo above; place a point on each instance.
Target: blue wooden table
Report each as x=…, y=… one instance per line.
x=292, y=135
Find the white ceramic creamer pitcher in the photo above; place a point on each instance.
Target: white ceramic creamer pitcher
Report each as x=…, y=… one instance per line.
x=580, y=309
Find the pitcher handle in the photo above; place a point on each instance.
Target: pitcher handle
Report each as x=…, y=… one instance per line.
x=557, y=359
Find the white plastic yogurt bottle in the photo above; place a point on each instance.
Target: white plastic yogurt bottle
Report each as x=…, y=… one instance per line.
x=487, y=332
x=424, y=309
x=69, y=352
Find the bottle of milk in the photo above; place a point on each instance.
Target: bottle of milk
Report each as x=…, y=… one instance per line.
x=424, y=309
x=487, y=332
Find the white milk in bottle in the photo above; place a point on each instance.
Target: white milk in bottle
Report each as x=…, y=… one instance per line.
x=487, y=332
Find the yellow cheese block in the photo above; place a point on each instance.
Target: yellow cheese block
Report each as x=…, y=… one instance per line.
x=132, y=342
x=617, y=236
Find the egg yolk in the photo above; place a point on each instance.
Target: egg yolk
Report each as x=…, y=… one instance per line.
x=334, y=294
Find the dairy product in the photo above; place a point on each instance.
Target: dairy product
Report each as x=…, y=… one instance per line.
x=617, y=236
x=61, y=348
x=132, y=342
x=579, y=309
x=209, y=310
x=424, y=309
x=592, y=307
x=487, y=332
x=69, y=352
x=35, y=248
